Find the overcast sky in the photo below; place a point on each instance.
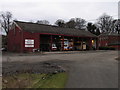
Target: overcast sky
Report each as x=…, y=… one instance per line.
x=51, y=10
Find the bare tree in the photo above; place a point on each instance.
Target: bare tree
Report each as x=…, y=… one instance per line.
x=5, y=20
x=60, y=23
x=117, y=26
x=70, y=24
x=43, y=22
x=78, y=23
x=105, y=23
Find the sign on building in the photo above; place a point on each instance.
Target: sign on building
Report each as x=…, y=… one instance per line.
x=29, y=43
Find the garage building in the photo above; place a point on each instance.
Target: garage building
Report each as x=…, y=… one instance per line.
x=109, y=40
x=31, y=37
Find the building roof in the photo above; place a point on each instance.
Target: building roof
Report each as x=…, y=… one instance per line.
x=109, y=34
x=41, y=28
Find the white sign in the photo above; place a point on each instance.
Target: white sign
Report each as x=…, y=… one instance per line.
x=29, y=41
x=29, y=45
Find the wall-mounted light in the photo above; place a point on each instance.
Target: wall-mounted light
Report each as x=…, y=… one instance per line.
x=92, y=41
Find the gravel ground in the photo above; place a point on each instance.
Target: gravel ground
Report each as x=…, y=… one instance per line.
x=51, y=66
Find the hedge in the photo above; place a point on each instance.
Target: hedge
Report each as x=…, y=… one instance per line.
x=106, y=48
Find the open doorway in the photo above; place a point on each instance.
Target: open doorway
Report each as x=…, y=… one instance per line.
x=45, y=42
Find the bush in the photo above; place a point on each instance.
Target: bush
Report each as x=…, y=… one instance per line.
x=106, y=48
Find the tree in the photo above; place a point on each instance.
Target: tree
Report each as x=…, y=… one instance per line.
x=4, y=41
x=60, y=23
x=113, y=26
x=43, y=22
x=97, y=32
x=89, y=27
x=105, y=22
x=5, y=20
x=93, y=28
x=76, y=23
x=70, y=24
x=117, y=26
x=80, y=23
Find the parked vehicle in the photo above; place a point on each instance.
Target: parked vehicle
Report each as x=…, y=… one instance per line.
x=3, y=49
x=54, y=47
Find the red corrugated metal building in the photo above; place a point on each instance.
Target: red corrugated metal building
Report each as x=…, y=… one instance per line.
x=30, y=37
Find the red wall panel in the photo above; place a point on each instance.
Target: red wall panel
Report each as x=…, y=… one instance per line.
x=109, y=40
x=14, y=38
x=35, y=37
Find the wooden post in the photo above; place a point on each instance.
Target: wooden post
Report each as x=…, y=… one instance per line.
x=73, y=44
x=90, y=44
x=62, y=43
x=97, y=44
x=51, y=41
x=82, y=43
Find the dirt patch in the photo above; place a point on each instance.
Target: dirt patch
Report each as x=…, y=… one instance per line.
x=51, y=66
x=118, y=58
x=13, y=71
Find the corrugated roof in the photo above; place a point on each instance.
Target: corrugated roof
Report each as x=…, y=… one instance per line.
x=109, y=34
x=41, y=28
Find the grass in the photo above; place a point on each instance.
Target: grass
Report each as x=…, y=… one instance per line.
x=36, y=81
x=52, y=81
